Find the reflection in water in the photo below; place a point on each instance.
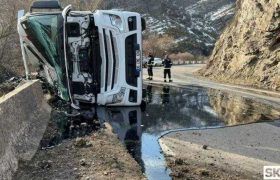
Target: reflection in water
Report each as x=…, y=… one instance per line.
x=235, y=110
x=149, y=94
x=126, y=123
x=165, y=94
x=144, y=147
x=176, y=108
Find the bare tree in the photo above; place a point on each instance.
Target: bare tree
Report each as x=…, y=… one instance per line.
x=10, y=56
x=158, y=44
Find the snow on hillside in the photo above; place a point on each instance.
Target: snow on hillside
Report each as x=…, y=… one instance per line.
x=220, y=13
x=200, y=23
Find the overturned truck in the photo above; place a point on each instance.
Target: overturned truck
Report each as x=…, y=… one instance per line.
x=89, y=57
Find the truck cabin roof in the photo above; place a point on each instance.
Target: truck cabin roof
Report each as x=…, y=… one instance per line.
x=46, y=6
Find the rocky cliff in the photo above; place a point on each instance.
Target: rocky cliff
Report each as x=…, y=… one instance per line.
x=248, y=51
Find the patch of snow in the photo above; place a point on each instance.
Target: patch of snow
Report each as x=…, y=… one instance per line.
x=209, y=44
x=208, y=36
x=223, y=11
x=181, y=39
x=197, y=40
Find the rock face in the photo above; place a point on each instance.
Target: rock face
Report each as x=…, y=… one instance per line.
x=248, y=51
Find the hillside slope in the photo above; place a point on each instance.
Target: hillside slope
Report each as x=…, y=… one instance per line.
x=248, y=51
x=195, y=24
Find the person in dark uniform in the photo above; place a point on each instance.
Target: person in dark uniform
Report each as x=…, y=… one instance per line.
x=150, y=66
x=167, y=63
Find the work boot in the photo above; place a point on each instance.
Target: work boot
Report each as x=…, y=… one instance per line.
x=170, y=80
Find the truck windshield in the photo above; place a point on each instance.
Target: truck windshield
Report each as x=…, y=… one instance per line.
x=46, y=33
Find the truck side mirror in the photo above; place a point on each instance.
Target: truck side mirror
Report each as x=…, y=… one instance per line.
x=143, y=24
x=20, y=14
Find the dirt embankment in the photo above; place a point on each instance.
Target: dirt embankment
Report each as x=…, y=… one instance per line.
x=192, y=161
x=248, y=51
x=98, y=156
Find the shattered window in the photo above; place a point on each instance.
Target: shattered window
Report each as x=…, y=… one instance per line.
x=46, y=33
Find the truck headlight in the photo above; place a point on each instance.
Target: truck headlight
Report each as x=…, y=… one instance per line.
x=116, y=21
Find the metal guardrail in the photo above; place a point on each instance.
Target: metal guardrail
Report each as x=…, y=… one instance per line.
x=180, y=62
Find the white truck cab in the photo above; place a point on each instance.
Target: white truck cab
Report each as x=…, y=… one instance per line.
x=89, y=57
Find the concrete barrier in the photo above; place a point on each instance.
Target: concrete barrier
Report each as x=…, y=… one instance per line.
x=24, y=115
